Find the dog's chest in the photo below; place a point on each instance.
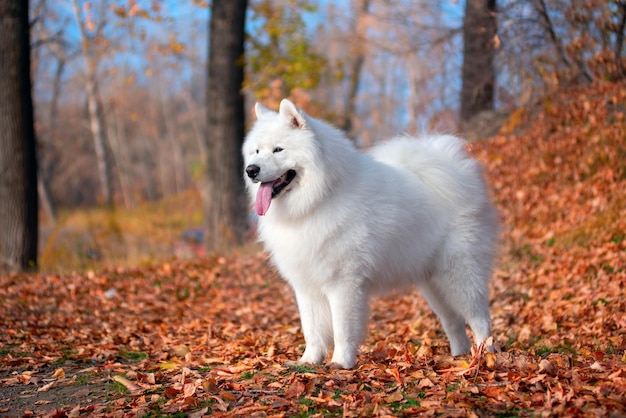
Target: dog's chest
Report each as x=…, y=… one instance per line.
x=306, y=253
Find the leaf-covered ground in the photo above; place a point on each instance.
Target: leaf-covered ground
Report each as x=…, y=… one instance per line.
x=212, y=336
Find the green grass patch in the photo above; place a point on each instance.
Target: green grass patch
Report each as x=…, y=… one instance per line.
x=453, y=387
x=301, y=368
x=182, y=294
x=306, y=402
x=86, y=378
x=66, y=352
x=132, y=355
x=116, y=389
x=157, y=413
x=543, y=350
x=248, y=374
x=337, y=394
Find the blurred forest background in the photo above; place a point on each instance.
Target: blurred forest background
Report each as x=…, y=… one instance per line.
x=372, y=67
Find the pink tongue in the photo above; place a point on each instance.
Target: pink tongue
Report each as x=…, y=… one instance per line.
x=263, y=198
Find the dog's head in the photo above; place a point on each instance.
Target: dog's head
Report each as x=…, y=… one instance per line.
x=279, y=152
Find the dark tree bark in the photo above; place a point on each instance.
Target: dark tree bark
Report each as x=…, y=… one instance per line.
x=361, y=11
x=225, y=204
x=478, y=73
x=619, y=39
x=18, y=162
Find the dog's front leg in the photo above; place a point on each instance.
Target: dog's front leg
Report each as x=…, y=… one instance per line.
x=316, y=325
x=350, y=311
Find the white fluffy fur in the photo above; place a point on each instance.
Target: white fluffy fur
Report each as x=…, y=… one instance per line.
x=412, y=211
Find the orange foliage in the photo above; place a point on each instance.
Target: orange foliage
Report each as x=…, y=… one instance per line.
x=215, y=335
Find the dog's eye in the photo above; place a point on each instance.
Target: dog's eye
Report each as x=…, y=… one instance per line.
x=257, y=150
x=277, y=149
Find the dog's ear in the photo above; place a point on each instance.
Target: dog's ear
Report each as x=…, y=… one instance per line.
x=290, y=112
x=261, y=111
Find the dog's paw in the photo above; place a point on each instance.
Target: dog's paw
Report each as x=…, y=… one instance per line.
x=344, y=359
x=337, y=366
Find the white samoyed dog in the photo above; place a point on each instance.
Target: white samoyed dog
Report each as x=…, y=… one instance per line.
x=341, y=225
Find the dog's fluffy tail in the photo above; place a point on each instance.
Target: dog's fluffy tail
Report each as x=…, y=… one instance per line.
x=441, y=162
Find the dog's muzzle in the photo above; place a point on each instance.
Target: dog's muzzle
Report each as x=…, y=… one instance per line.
x=253, y=171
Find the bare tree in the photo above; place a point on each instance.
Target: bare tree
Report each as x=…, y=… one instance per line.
x=478, y=73
x=224, y=192
x=581, y=70
x=94, y=101
x=18, y=162
x=390, y=67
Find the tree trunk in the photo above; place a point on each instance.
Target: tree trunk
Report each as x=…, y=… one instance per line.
x=45, y=198
x=175, y=159
x=619, y=40
x=361, y=12
x=119, y=144
x=18, y=163
x=225, y=207
x=96, y=112
x=98, y=132
x=478, y=74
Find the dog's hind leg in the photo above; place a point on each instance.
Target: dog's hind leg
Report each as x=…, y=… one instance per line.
x=476, y=313
x=452, y=321
x=317, y=328
x=467, y=279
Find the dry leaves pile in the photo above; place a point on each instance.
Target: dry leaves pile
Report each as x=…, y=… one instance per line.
x=212, y=336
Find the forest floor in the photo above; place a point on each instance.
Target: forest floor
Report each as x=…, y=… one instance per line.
x=212, y=335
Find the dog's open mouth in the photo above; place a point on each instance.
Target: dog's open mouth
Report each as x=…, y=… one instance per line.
x=269, y=190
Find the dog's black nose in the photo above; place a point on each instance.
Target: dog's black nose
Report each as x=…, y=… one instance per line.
x=253, y=170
